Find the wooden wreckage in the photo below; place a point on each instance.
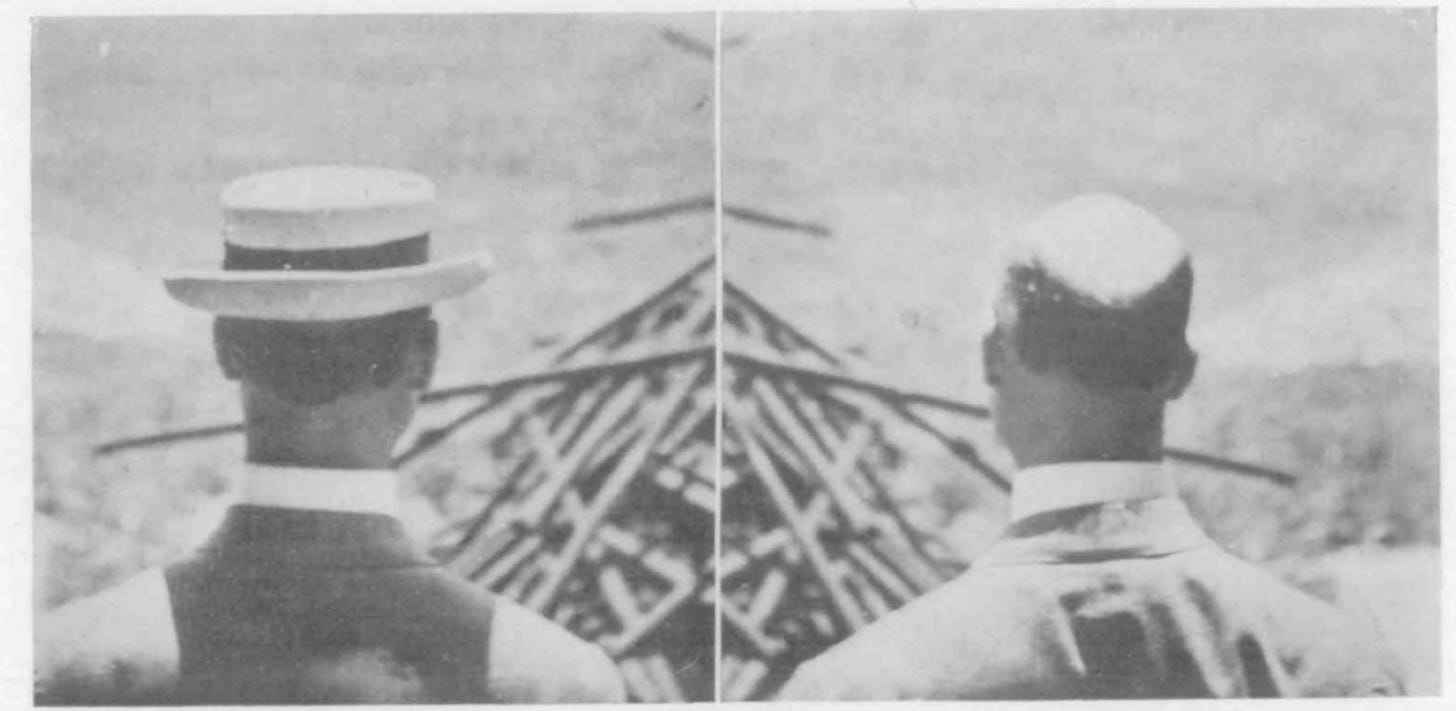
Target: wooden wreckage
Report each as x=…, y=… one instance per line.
x=604, y=518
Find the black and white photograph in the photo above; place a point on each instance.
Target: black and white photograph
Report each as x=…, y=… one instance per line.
x=337, y=399
x=716, y=354
x=1095, y=355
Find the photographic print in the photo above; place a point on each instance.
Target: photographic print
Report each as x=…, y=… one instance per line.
x=733, y=355
x=261, y=244
x=1093, y=354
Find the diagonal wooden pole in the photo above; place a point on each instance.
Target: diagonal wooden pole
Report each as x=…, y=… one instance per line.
x=908, y=397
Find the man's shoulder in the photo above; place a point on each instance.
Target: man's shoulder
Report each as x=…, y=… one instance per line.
x=1334, y=652
x=1267, y=598
x=987, y=618
x=536, y=660
x=116, y=646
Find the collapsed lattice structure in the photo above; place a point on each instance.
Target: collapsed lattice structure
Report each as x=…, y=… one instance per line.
x=814, y=545
x=598, y=509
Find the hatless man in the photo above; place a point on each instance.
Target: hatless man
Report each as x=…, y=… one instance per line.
x=1103, y=586
x=311, y=591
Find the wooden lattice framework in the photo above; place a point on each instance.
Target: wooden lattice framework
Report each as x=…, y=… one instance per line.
x=603, y=516
x=814, y=546
x=599, y=509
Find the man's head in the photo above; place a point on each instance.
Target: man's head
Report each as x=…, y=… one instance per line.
x=355, y=379
x=312, y=363
x=323, y=308
x=1089, y=337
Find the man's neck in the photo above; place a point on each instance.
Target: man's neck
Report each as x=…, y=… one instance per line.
x=1097, y=432
x=319, y=442
x=357, y=430
x=276, y=454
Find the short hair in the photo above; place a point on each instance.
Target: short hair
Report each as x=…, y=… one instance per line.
x=314, y=363
x=1100, y=289
x=1132, y=344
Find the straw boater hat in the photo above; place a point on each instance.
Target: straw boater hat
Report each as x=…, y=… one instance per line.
x=324, y=243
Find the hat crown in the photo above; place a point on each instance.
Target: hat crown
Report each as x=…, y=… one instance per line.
x=326, y=207
x=1103, y=247
x=327, y=187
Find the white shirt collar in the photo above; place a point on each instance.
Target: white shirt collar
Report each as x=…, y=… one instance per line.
x=1061, y=486
x=350, y=490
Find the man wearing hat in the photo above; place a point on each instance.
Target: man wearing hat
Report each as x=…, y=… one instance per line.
x=311, y=592
x=1102, y=586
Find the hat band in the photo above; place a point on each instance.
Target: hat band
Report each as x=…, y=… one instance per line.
x=407, y=252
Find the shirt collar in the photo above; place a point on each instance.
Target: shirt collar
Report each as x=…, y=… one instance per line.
x=1050, y=487
x=347, y=490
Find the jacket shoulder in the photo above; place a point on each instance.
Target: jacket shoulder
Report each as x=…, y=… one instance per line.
x=118, y=646
x=989, y=619
x=1326, y=650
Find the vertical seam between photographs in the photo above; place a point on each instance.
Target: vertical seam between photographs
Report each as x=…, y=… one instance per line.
x=718, y=334
x=1445, y=148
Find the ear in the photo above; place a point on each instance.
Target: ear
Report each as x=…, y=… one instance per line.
x=423, y=352
x=226, y=352
x=1179, y=376
x=992, y=360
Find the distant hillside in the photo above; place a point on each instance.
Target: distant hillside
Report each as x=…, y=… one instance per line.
x=101, y=518
x=1363, y=441
x=1367, y=312
x=87, y=290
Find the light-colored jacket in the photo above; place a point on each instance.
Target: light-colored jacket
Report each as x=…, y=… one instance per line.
x=1113, y=600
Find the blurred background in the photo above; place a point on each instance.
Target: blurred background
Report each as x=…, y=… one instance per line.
x=525, y=123
x=1295, y=150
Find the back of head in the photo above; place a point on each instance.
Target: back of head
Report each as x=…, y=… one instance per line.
x=1099, y=289
x=312, y=363
x=327, y=279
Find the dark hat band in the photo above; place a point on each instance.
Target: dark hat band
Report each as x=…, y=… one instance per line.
x=407, y=252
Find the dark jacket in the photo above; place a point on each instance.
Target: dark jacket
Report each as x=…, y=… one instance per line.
x=1120, y=600
x=295, y=606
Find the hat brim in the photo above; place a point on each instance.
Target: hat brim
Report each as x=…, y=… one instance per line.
x=325, y=295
